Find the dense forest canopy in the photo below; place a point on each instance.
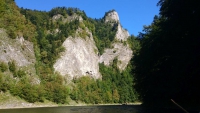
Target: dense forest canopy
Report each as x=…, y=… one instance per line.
x=168, y=65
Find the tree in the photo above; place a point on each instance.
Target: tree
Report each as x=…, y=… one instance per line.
x=167, y=66
x=12, y=66
x=116, y=96
x=21, y=73
x=2, y=7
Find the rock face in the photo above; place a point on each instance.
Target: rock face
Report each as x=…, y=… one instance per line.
x=81, y=55
x=68, y=18
x=121, y=34
x=120, y=51
x=19, y=50
x=112, y=17
x=80, y=58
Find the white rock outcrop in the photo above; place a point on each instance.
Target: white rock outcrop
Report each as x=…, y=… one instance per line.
x=121, y=52
x=19, y=50
x=81, y=55
x=79, y=59
x=67, y=18
x=122, y=34
x=112, y=17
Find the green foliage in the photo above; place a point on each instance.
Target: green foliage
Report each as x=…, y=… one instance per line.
x=103, y=33
x=21, y=73
x=115, y=87
x=27, y=91
x=2, y=7
x=12, y=66
x=134, y=44
x=1, y=80
x=3, y=67
x=5, y=82
x=14, y=22
x=54, y=89
x=38, y=18
x=66, y=11
x=167, y=66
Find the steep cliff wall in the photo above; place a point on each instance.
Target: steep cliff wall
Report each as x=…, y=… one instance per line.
x=80, y=57
x=19, y=50
x=81, y=54
x=120, y=50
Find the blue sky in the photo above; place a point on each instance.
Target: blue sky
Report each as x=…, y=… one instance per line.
x=133, y=14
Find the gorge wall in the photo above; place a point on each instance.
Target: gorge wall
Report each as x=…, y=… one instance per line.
x=81, y=56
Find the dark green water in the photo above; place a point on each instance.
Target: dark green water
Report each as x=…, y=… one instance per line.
x=89, y=109
x=78, y=109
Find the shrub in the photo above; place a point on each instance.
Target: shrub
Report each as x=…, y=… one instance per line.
x=3, y=66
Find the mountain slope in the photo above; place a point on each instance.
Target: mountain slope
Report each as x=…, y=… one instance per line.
x=65, y=55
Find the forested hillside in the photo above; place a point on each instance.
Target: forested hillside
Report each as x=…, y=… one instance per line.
x=14, y=22
x=47, y=31
x=165, y=61
x=168, y=65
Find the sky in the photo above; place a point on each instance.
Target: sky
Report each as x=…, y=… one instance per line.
x=133, y=14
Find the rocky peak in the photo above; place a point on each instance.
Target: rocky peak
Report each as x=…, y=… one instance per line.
x=80, y=57
x=111, y=16
x=120, y=51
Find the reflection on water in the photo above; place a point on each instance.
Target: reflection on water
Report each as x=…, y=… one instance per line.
x=90, y=109
x=106, y=109
x=78, y=109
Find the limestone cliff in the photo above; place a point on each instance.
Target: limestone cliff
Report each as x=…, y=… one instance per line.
x=121, y=52
x=19, y=50
x=112, y=16
x=120, y=49
x=68, y=18
x=81, y=54
x=80, y=57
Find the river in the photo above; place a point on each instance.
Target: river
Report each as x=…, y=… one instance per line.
x=88, y=109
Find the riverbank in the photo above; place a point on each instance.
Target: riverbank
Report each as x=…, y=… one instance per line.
x=7, y=101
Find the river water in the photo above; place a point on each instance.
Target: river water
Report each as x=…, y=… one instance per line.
x=88, y=109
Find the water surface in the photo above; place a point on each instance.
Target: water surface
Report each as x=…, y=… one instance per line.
x=90, y=109
x=78, y=109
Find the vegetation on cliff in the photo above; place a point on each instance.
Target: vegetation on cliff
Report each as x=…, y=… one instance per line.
x=48, y=34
